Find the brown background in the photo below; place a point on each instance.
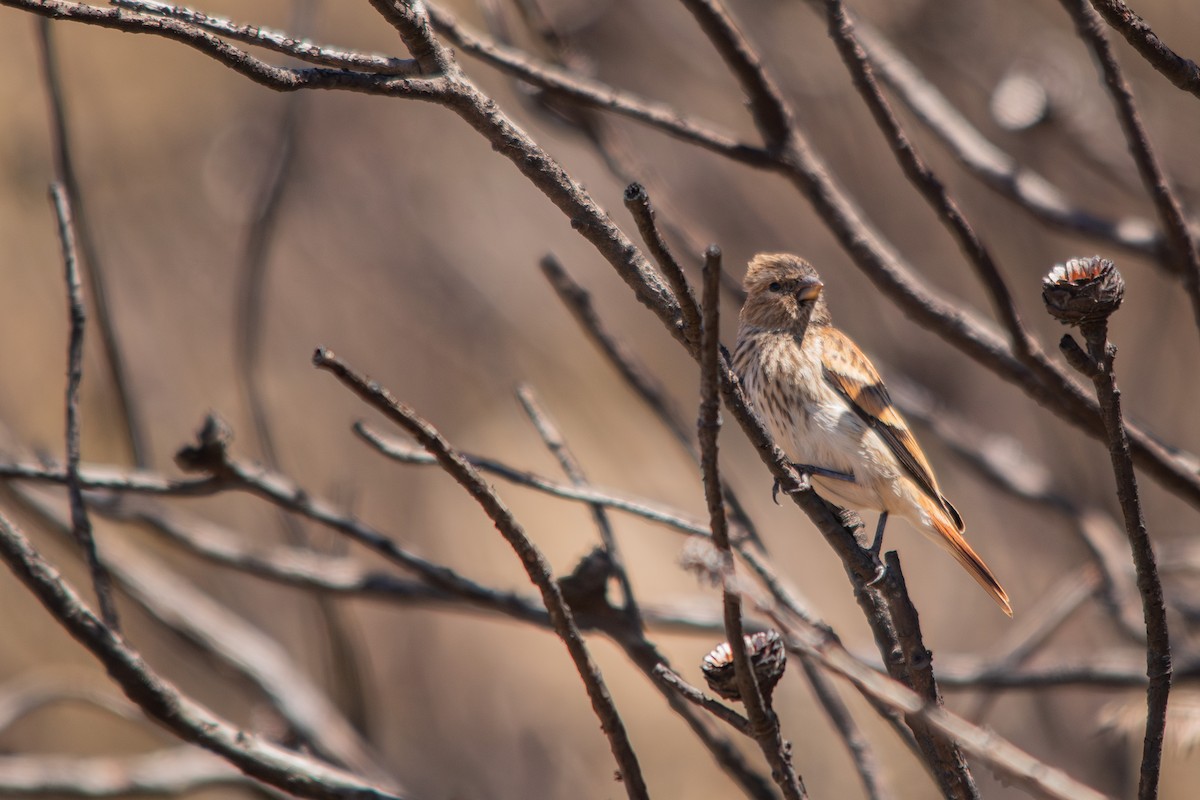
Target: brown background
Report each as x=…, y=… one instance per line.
x=411, y=249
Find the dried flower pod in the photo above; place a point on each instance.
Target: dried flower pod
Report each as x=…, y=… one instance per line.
x=767, y=656
x=1083, y=290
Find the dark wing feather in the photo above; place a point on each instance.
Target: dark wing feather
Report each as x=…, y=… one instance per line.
x=856, y=379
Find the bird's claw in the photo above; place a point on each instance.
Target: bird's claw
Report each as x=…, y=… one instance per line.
x=880, y=574
x=807, y=471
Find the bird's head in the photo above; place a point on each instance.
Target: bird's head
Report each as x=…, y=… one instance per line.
x=783, y=292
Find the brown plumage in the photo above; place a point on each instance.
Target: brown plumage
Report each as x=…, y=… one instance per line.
x=827, y=407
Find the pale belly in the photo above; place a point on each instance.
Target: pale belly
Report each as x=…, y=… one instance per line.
x=836, y=438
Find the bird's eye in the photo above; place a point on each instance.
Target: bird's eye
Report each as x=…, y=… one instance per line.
x=775, y=287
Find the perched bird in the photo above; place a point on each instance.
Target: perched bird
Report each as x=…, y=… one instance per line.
x=829, y=411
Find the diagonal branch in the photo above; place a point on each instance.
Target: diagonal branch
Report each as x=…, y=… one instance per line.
x=1183, y=72
x=1184, y=256
x=114, y=359
x=531, y=558
x=300, y=775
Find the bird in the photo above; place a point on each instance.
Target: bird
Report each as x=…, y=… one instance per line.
x=826, y=406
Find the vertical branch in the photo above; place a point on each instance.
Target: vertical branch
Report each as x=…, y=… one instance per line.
x=764, y=724
x=64, y=166
x=1158, y=645
x=81, y=524
x=531, y=559
x=1084, y=292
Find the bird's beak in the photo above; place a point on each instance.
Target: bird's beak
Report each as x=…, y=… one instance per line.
x=809, y=290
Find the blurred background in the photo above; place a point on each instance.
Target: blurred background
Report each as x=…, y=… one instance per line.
x=410, y=248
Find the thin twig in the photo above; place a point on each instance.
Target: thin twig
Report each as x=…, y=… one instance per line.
x=999, y=171
x=581, y=88
x=94, y=274
x=638, y=203
x=1184, y=256
x=768, y=108
x=696, y=697
x=531, y=558
x=663, y=515
x=81, y=525
x=553, y=438
x=1158, y=644
x=647, y=658
x=1183, y=72
x=299, y=48
x=643, y=382
x=949, y=212
x=764, y=724
x=300, y=775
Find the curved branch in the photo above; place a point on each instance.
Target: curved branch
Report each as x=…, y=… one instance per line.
x=1183, y=72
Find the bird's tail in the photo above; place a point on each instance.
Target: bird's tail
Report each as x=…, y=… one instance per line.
x=950, y=538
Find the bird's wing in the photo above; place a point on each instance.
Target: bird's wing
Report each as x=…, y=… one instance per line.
x=855, y=378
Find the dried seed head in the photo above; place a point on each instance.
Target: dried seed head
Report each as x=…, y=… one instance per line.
x=1083, y=290
x=767, y=656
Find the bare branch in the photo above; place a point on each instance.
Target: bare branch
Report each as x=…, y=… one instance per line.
x=764, y=724
x=1085, y=294
x=222, y=633
x=406, y=454
x=770, y=111
x=639, y=206
x=554, y=440
x=94, y=274
x=997, y=169
x=531, y=558
x=299, y=48
x=668, y=677
x=81, y=525
x=811, y=642
x=1184, y=254
x=187, y=719
x=1180, y=71
x=582, y=89
x=949, y=212
x=278, y=78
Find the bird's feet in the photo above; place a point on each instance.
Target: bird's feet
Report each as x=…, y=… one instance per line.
x=876, y=547
x=809, y=469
